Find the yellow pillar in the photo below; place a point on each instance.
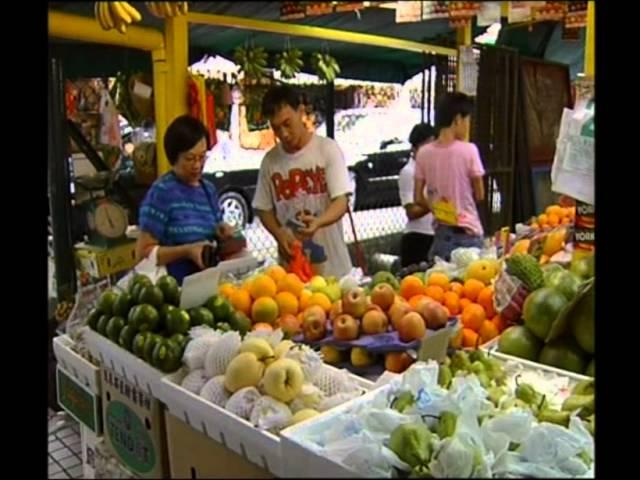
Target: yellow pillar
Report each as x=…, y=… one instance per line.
x=177, y=48
x=590, y=41
x=160, y=96
x=463, y=39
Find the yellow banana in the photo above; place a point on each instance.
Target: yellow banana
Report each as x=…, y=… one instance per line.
x=153, y=9
x=96, y=13
x=183, y=7
x=133, y=13
x=106, y=15
x=168, y=9
x=175, y=9
x=119, y=11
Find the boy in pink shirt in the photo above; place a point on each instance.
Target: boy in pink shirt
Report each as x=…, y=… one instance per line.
x=451, y=170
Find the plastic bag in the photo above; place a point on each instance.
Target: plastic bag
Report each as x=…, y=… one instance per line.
x=310, y=361
x=274, y=338
x=270, y=414
x=362, y=454
x=194, y=381
x=241, y=403
x=148, y=266
x=337, y=399
x=221, y=353
x=213, y=391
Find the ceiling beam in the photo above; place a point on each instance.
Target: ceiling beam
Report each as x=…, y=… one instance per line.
x=322, y=33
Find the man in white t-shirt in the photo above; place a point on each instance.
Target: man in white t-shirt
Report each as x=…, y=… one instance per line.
x=303, y=187
x=418, y=235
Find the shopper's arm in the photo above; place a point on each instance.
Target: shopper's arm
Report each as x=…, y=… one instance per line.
x=415, y=211
x=420, y=198
x=477, y=184
x=281, y=236
x=331, y=215
x=146, y=242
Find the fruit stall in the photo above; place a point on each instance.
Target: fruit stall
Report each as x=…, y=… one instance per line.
x=479, y=366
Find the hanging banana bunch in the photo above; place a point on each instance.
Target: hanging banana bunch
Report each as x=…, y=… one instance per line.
x=289, y=63
x=252, y=61
x=116, y=15
x=325, y=66
x=167, y=9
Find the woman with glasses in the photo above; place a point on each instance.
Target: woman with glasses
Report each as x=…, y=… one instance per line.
x=180, y=212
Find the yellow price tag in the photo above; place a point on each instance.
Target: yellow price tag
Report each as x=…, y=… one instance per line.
x=445, y=212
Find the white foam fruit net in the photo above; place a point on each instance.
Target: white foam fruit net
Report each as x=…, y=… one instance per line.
x=332, y=381
x=194, y=381
x=196, y=351
x=273, y=338
x=242, y=402
x=310, y=360
x=270, y=414
x=309, y=397
x=213, y=391
x=221, y=353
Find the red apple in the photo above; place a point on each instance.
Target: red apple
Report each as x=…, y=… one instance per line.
x=290, y=324
x=383, y=296
x=314, y=322
x=345, y=327
x=434, y=315
x=397, y=311
x=336, y=309
x=374, y=321
x=354, y=303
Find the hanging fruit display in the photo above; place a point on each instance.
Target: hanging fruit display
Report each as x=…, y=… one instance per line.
x=289, y=63
x=116, y=15
x=325, y=66
x=252, y=61
x=167, y=9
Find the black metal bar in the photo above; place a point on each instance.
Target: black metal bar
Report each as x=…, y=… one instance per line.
x=59, y=185
x=424, y=83
x=86, y=147
x=331, y=110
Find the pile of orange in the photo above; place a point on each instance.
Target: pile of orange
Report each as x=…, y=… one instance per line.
x=272, y=294
x=554, y=216
x=472, y=301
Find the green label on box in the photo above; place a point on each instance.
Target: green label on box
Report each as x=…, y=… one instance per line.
x=77, y=400
x=130, y=438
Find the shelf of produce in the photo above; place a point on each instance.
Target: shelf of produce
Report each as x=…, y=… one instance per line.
x=74, y=364
x=259, y=447
x=302, y=456
x=134, y=370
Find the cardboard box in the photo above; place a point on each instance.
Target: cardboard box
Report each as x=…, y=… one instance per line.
x=88, y=441
x=194, y=455
x=101, y=262
x=134, y=427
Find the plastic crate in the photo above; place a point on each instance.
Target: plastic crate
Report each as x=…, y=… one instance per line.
x=259, y=447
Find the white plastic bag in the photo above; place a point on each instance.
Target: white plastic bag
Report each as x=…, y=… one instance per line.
x=309, y=397
x=194, y=381
x=310, y=361
x=270, y=414
x=213, y=391
x=241, y=403
x=337, y=399
x=148, y=266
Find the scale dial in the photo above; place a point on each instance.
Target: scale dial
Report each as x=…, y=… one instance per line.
x=110, y=220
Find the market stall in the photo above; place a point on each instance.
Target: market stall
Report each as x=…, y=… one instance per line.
x=476, y=367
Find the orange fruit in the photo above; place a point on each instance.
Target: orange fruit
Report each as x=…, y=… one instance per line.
x=263, y=286
x=305, y=296
x=485, y=299
x=457, y=288
x=543, y=219
x=488, y=331
x=554, y=210
x=264, y=310
x=572, y=212
x=554, y=220
x=321, y=300
x=456, y=341
x=241, y=301
x=291, y=283
x=435, y=292
x=499, y=323
x=226, y=290
x=566, y=221
x=464, y=302
x=262, y=327
x=411, y=286
x=276, y=272
x=451, y=301
x=472, y=289
x=440, y=279
x=246, y=285
x=470, y=339
x=564, y=212
x=473, y=316
x=287, y=303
